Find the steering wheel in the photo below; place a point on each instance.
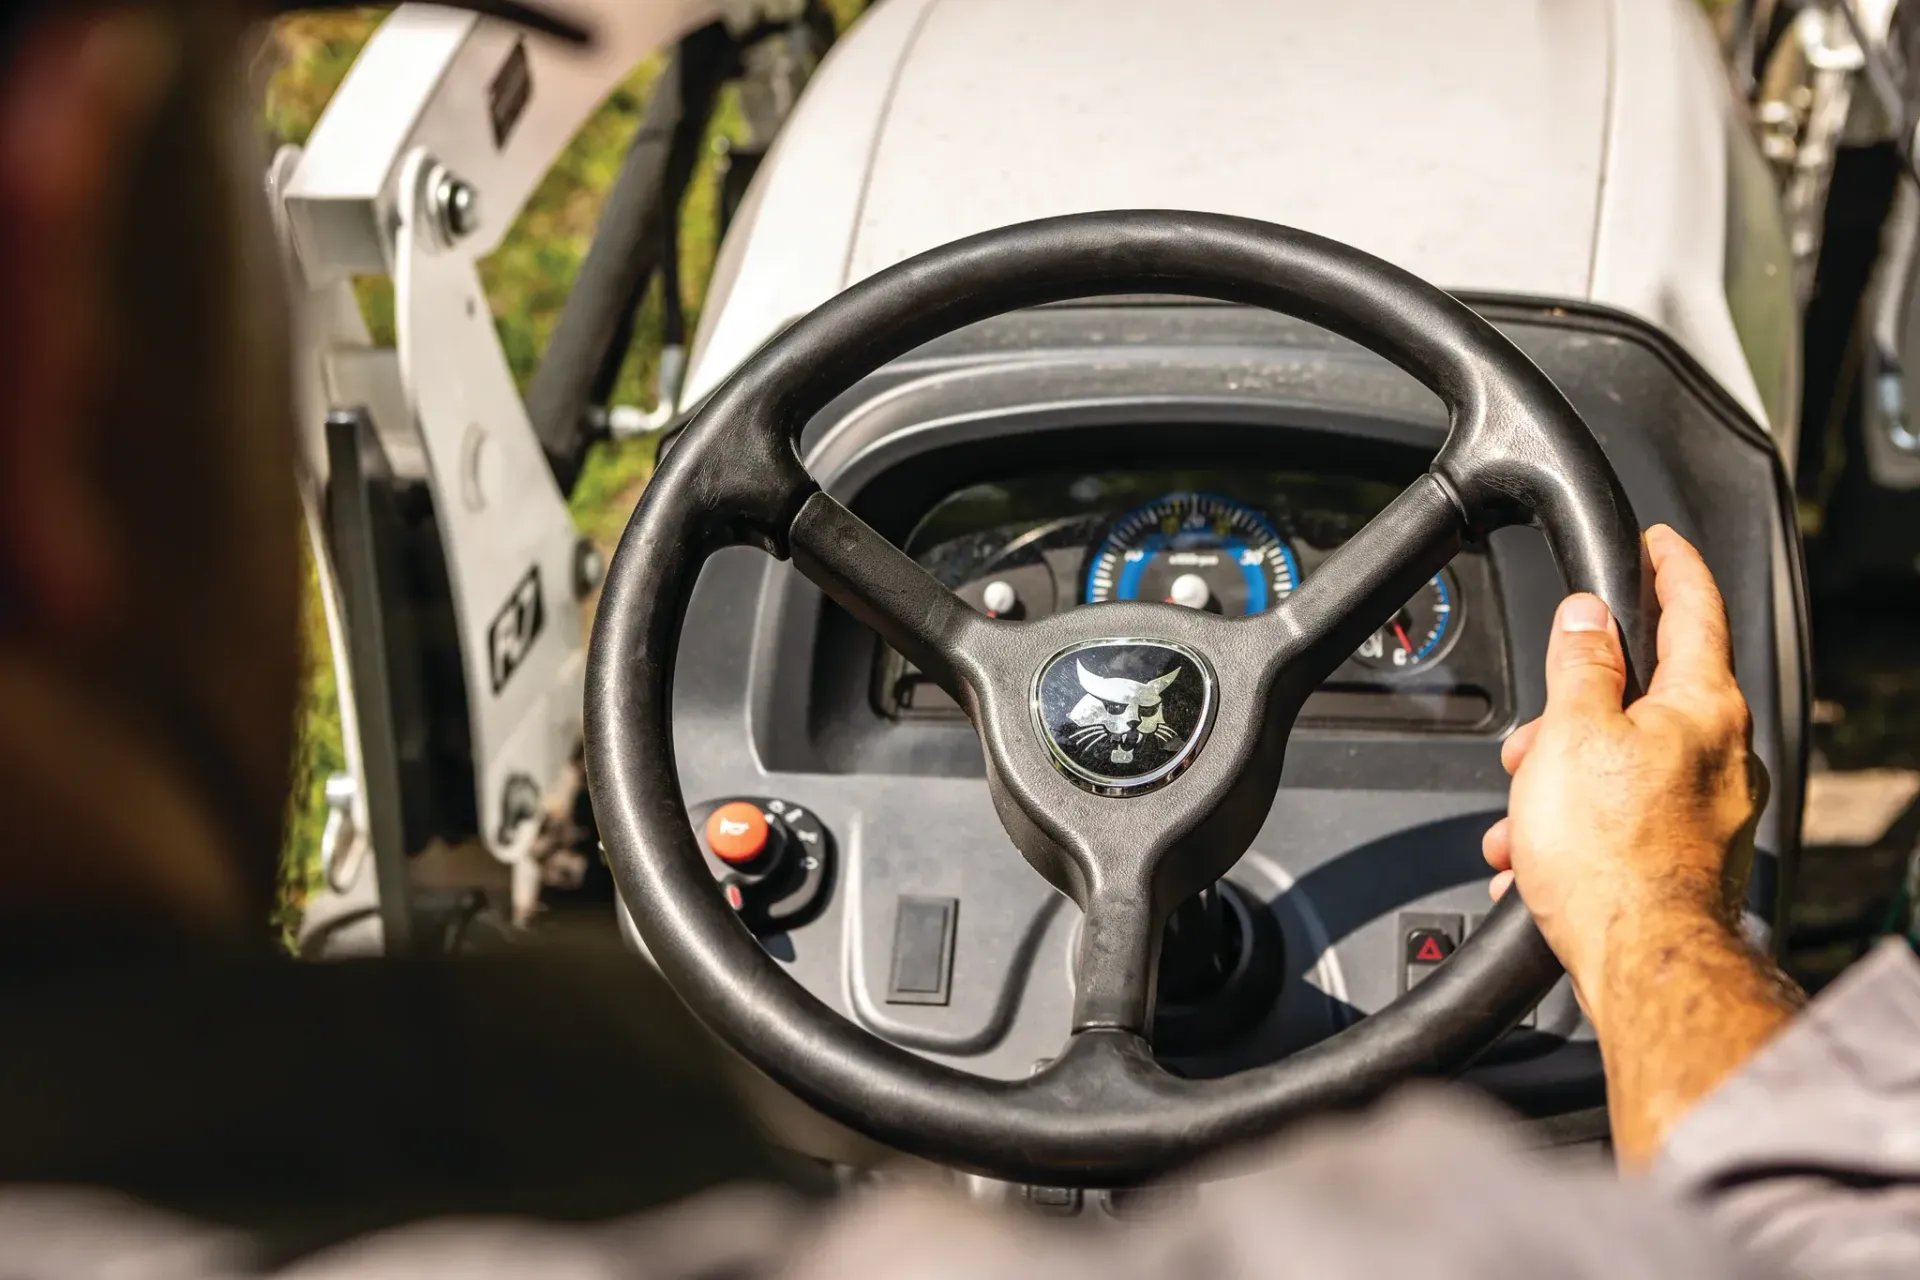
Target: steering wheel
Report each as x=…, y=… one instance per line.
x=1133, y=749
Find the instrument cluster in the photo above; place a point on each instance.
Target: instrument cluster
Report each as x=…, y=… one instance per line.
x=1231, y=541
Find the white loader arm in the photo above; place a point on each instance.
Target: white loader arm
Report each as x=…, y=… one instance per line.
x=418, y=167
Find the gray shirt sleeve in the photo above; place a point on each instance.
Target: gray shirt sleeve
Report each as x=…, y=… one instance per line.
x=1429, y=1186
x=1811, y=1155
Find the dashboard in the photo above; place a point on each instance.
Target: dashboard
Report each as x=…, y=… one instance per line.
x=1230, y=540
x=1116, y=463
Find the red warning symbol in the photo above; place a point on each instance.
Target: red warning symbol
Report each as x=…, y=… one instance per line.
x=1429, y=947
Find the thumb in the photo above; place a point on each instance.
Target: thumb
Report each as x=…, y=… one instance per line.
x=1586, y=670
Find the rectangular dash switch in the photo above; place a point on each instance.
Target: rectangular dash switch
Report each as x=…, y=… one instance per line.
x=1426, y=939
x=922, y=970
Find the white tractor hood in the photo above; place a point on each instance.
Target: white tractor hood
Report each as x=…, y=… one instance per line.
x=1565, y=149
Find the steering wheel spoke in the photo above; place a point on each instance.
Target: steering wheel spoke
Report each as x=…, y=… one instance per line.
x=886, y=589
x=1114, y=964
x=1363, y=582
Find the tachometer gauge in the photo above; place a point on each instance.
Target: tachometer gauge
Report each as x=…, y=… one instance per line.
x=1418, y=635
x=1197, y=550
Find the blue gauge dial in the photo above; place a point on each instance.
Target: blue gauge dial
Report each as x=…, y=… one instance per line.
x=1197, y=550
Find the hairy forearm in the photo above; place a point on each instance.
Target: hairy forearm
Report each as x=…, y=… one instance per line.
x=1683, y=1002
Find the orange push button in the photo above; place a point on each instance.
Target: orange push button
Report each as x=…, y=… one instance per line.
x=737, y=832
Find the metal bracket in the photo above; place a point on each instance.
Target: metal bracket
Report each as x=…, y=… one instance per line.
x=416, y=171
x=508, y=539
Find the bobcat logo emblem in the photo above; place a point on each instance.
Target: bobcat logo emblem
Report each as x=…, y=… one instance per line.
x=1121, y=717
x=1118, y=713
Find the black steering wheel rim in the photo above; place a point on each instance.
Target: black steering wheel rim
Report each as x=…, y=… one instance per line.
x=1102, y=1112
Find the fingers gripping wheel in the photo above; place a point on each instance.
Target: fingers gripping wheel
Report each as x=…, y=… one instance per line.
x=1133, y=750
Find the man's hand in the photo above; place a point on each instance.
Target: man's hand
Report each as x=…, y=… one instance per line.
x=1618, y=817
x=1630, y=834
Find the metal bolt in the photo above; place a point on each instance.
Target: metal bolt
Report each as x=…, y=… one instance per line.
x=1892, y=395
x=457, y=205
x=342, y=790
x=341, y=847
x=519, y=805
x=589, y=568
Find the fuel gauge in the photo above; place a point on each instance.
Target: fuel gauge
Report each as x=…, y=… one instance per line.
x=1420, y=634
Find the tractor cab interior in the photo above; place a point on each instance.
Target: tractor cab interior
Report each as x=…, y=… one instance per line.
x=1117, y=760
x=1044, y=711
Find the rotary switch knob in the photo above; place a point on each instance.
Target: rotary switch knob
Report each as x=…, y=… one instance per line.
x=740, y=834
x=772, y=859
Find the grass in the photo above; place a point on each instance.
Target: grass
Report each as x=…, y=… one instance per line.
x=527, y=281
x=318, y=756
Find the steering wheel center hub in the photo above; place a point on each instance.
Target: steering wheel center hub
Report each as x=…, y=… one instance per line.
x=1122, y=716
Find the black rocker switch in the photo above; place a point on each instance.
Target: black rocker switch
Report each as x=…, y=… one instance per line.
x=1427, y=938
x=922, y=967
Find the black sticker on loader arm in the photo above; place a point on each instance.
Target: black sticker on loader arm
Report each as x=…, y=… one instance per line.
x=515, y=628
x=508, y=95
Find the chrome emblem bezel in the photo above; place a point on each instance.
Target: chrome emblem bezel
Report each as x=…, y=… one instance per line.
x=1086, y=776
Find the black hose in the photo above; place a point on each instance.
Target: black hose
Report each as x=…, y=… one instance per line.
x=637, y=234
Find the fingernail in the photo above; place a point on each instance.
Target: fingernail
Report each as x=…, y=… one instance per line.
x=1583, y=613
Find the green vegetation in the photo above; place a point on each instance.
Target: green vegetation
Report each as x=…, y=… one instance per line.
x=318, y=756
x=527, y=282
